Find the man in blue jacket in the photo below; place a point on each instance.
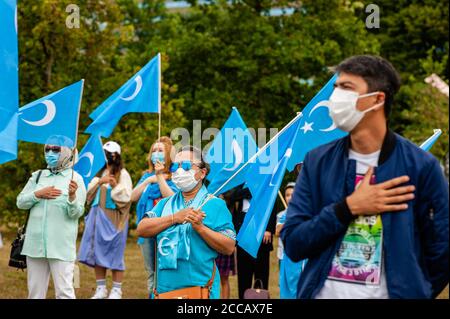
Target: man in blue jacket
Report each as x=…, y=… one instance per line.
x=370, y=210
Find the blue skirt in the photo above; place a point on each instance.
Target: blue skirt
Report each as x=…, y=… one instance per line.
x=102, y=244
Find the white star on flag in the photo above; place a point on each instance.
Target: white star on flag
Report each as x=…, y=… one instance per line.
x=307, y=127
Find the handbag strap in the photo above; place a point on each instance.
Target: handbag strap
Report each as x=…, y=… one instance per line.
x=261, y=284
x=211, y=281
x=208, y=285
x=28, y=213
x=155, y=283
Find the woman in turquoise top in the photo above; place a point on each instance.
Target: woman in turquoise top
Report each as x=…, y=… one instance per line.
x=188, y=240
x=155, y=184
x=55, y=197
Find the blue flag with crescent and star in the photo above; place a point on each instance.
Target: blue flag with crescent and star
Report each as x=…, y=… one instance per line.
x=54, y=114
x=264, y=179
x=91, y=159
x=140, y=94
x=317, y=127
x=233, y=146
x=9, y=80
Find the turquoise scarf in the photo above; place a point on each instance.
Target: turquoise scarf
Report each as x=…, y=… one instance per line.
x=174, y=243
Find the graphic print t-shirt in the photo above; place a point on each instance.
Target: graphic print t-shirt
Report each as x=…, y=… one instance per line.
x=357, y=270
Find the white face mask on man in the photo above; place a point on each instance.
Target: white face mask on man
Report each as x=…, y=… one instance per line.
x=184, y=180
x=343, y=109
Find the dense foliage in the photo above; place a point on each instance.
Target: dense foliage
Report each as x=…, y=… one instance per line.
x=221, y=55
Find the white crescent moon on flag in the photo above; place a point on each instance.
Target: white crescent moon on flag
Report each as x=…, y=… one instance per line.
x=324, y=103
x=90, y=157
x=238, y=154
x=49, y=115
x=287, y=155
x=138, y=81
x=160, y=246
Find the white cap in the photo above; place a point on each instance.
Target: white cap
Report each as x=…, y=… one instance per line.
x=290, y=184
x=112, y=147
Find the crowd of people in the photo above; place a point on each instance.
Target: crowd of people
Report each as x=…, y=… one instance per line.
x=367, y=216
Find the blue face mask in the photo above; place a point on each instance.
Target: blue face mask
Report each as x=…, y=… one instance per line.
x=51, y=158
x=157, y=156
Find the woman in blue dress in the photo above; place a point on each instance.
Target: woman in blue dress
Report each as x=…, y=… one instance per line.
x=154, y=185
x=188, y=240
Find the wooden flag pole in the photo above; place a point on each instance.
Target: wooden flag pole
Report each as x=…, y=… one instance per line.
x=282, y=200
x=76, y=132
x=159, y=97
x=76, y=270
x=159, y=126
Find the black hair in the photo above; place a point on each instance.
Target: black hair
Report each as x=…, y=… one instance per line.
x=116, y=165
x=378, y=73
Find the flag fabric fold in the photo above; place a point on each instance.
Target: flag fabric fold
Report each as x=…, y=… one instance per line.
x=264, y=179
x=232, y=147
x=9, y=80
x=91, y=159
x=140, y=94
x=56, y=114
x=317, y=127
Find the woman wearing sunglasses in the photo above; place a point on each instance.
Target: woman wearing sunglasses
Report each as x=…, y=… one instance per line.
x=155, y=184
x=188, y=240
x=55, y=200
x=106, y=226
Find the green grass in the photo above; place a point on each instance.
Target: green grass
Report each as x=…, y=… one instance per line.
x=13, y=283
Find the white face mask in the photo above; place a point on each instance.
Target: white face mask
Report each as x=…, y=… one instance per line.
x=343, y=109
x=184, y=180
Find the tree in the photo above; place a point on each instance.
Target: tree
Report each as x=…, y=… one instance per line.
x=219, y=55
x=269, y=67
x=408, y=29
x=53, y=56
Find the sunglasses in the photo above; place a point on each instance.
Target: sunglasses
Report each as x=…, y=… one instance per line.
x=186, y=165
x=54, y=149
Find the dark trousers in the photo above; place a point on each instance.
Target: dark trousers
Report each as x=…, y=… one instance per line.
x=247, y=267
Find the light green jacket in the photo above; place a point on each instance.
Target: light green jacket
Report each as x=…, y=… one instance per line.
x=53, y=224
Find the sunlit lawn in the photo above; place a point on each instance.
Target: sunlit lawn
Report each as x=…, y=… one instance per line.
x=13, y=282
